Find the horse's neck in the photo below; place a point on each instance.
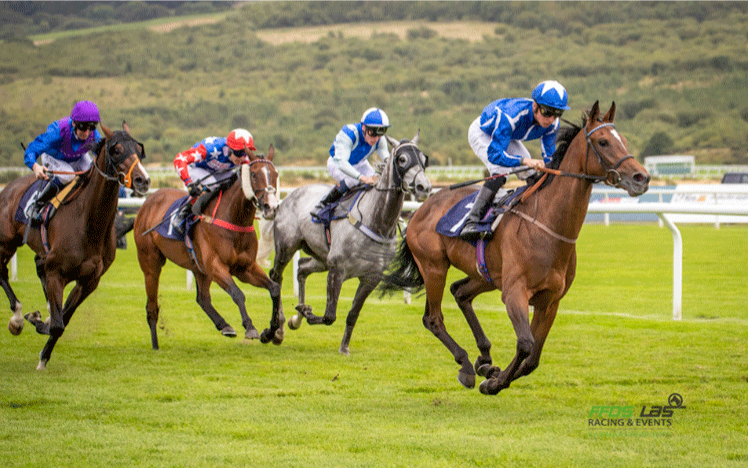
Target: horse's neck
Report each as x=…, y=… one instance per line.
x=236, y=208
x=97, y=202
x=381, y=206
x=562, y=206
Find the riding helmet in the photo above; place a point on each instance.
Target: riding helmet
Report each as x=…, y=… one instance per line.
x=375, y=118
x=85, y=111
x=238, y=138
x=551, y=94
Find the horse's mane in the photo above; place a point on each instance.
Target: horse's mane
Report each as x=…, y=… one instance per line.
x=564, y=137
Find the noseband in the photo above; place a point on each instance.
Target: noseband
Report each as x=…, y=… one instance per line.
x=612, y=176
x=399, y=173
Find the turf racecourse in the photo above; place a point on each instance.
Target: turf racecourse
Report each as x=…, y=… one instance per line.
x=206, y=401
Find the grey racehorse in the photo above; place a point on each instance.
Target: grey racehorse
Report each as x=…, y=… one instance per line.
x=361, y=246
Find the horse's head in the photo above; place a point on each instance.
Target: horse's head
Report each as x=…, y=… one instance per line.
x=408, y=164
x=260, y=182
x=615, y=164
x=122, y=155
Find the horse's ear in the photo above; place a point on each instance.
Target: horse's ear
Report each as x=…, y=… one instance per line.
x=611, y=113
x=594, y=113
x=271, y=153
x=415, y=138
x=392, y=141
x=250, y=154
x=107, y=132
x=125, y=127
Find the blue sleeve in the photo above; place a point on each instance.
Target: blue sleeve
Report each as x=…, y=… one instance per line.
x=42, y=144
x=500, y=139
x=548, y=143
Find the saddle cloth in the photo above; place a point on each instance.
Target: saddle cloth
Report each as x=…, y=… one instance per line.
x=453, y=221
x=167, y=231
x=29, y=198
x=339, y=209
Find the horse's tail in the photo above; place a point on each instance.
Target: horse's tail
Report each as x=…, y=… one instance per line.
x=403, y=273
x=265, y=242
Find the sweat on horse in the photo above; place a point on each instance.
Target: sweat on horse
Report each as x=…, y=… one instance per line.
x=78, y=243
x=532, y=256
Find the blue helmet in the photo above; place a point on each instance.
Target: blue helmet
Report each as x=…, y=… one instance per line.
x=551, y=94
x=375, y=118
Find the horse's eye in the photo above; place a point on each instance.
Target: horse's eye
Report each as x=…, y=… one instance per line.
x=603, y=143
x=402, y=159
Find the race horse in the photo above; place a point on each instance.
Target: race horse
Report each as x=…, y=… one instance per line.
x=223, y=244
x=531, y=258
x=78, y=244
x=360, y=246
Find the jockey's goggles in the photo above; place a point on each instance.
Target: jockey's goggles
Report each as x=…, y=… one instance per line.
x=85, y=126
x=546, y=111
x=376, y=131
x=239, y=153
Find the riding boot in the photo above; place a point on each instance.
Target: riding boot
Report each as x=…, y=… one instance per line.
x=46, y=193
x=202, y=201
x=178, y=219
x=480, y=207
x=333, y=196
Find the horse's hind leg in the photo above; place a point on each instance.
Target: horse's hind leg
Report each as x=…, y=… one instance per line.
x=202, y=284
x=366, y=285
x=15, y=325
x=433, y=320
x=464, y=291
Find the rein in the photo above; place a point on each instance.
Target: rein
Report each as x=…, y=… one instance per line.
x=224, y=224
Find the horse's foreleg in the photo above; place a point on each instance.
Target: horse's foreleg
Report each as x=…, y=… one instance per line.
x=255, y=276
x=202, y=284
x=366, y=285
x=517, y=306
x=307, y=266
x=542, y=321
x=56, y=327
x=335, y=278
x=464, y=291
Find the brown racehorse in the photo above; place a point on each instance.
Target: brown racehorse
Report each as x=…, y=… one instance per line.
x=532, y=256
x=225, y=245
x=80, y=239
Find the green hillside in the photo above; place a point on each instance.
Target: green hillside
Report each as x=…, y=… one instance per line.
x=677, y=71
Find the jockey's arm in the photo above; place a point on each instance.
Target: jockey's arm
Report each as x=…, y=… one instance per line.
x=185, y=158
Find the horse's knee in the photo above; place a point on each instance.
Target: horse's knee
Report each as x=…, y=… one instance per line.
x=524, y=347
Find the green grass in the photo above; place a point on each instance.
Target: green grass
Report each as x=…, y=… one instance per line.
x=204, y=400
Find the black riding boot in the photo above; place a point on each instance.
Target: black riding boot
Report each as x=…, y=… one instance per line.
x=202, y=201
x=333, y=196
x=45, y=195
x=479, y=209
x=179, y=217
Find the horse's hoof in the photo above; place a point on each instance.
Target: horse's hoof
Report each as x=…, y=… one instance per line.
x=15, y=327
x=487, y=388
x=483, y=369
x=467, y=380
x=304, y=309
x=295, y=322
x=33, y=317
x=251, y=334
x=278, y=336
x=229, y=331
x=344, y=350
x=264, y=336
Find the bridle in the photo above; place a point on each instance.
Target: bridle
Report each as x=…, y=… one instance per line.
x=268, y=190
x=111, y=164
x=399, y=172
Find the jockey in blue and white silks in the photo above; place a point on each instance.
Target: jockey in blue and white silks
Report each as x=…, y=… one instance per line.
x=348, y=162
x=206, y=164
x=64, y=149
x=496, y=137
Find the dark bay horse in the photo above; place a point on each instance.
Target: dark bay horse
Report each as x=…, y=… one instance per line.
x=225, y=245
x=360, y=246
x=79, y=244
x=532, y=256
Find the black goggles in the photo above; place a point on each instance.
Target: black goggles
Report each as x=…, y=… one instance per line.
x=546, y=111
x=376, y=131
x=239, y=153
x=85, y=126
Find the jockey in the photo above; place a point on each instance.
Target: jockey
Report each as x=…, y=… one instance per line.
x=349, y=153
x=205, y=165
x=496, y=137
x=65, y=148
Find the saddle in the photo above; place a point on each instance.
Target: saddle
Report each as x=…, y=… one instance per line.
x=453, y=221
x=45, y=214
x=339, y=209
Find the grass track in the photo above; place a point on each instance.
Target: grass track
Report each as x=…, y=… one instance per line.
x=204, y=400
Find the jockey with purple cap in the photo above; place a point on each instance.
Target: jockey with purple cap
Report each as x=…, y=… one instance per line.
x=63, y=149
x=348, y=162
x=496, y=137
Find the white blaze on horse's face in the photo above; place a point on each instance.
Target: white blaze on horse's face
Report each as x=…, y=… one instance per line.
x=615, y=134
